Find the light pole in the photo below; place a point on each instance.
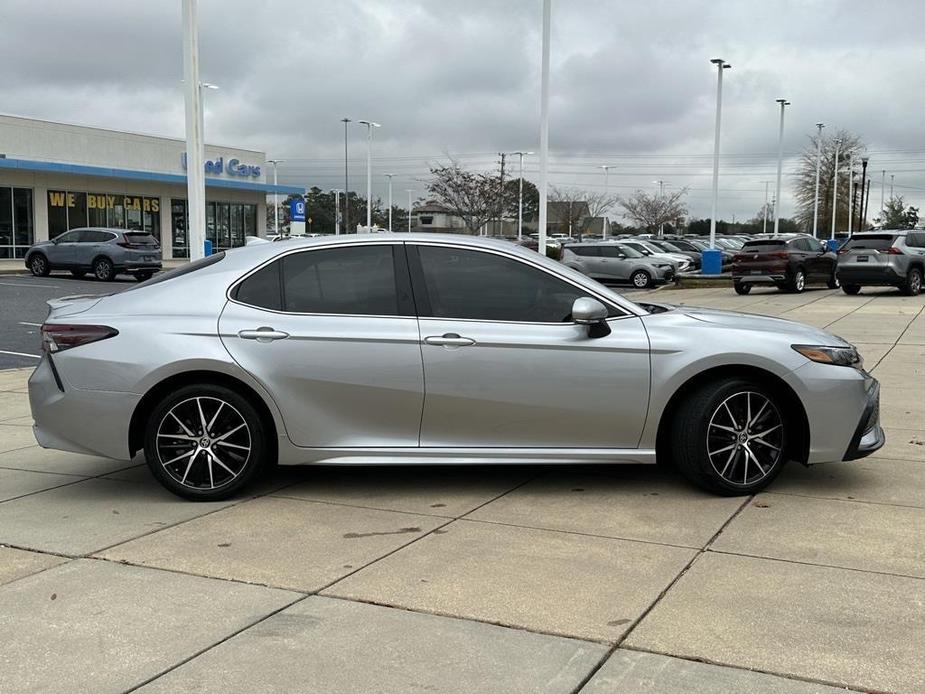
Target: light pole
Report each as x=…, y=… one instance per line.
x=835, y=189
x=862, y=214
x=369, y=170
x=389, y=176
x=891, y=185
x=337, y=211
x=661, y=195
x=850, y=192
x=882, y=189
x=820, y=126
x=606, y=168
x=409, y=191
x=780, y=162
x=275, y=198
x=764, y=226
x=544, y=125
x=195, y=150
x=720, y=66
x=345, y=121
x=520, y=196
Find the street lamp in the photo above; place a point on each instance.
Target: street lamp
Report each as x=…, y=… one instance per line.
x=764, y=225
x=661, y=194
x=720, y=66
x=820, y=126
x=195, y=150
x=345, y=121
x=337, y=192
x=389, y=176
x=835, y=188
x=275, y=198
x=882, y=189
x=520, y=196
x=780, y=161
x=544, y=124
x=409, y=191
x=851, y=192
x=862, y=213
x=369, y=170
x=606, y=168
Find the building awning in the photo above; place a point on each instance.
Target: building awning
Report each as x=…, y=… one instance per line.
x=106, y=172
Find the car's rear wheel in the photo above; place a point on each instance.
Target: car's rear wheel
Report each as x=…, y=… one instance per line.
x=103, y=270
x=730, y=437
x=38, y=265
x=798, y=281
x=641, y=279
x=913, y=284
x=205, y=442
x=851, y=289
x=741, y=287
x=833, y=282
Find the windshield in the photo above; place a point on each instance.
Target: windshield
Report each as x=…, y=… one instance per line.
x=670, y=247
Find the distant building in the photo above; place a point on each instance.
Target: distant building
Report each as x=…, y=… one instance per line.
x=438, y=218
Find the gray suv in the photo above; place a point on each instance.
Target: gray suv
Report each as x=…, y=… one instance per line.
x=617, y=262
x=883, y=258
x=103, y=252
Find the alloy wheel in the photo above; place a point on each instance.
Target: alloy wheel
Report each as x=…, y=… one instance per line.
x=915, y=283
x=38, y=265
x=745, y=438
x=799, y=281
x=640, y=279
x=102, y=270
x=203, y=443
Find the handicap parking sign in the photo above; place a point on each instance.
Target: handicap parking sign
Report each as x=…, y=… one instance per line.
x=297, y=210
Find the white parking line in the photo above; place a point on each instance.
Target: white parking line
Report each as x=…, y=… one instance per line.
x=35, y=325
x=27, y=284
x=20, y=354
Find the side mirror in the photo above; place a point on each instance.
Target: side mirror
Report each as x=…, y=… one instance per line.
x=591, y=312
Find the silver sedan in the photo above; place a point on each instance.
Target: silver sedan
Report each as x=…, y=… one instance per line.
x=434, y=350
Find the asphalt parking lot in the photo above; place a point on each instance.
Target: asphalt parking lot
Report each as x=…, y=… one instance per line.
x=477, y=579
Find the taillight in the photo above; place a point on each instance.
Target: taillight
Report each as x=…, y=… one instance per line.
x=783, y=255
x=57, y=337
x=893, y=250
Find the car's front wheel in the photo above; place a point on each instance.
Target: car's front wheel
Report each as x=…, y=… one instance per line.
x=641, y=279
x=103, y=270
x=205, y=442
x=741, y=287
x=730, y=437
x=38, y=265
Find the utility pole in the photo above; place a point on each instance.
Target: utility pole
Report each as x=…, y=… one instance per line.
x=346, y=182
x=500, y=227
x=850, y=192
x=389, y=176
x=764, y=226
x=195, y=150
x=867, y=201
x=606, y=168
x=891, y=185
x=544, y=125
x=275, y=196
x=820, y=126
x=520, y=198
x=661, y=197
x=720, y=66
x=337, y=211
x=882, y=188
x=780, y=162
x=835, y=189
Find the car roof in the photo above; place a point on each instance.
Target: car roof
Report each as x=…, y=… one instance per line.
x=880, y=232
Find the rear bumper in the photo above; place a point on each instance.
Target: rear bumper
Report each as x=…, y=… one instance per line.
x=136, y=265
x=759, y=279
x=868, y=274
x=83, y=421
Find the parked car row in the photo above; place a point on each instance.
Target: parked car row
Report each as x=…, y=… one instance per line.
x=891, y=258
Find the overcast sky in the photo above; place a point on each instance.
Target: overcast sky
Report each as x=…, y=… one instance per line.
x=631, y=84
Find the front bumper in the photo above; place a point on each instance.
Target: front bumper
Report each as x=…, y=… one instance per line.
x=869, y=436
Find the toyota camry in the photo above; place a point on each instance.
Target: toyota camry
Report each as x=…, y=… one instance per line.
x=424, y=349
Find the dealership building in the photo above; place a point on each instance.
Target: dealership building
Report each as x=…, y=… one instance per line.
x=55, y=177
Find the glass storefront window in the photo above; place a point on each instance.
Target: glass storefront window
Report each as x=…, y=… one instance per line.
x=250, y=220
x=16, y=222
x=237, y=224
x=57, y=213
x=72, y=210
x=76, y=210
x=178, y=221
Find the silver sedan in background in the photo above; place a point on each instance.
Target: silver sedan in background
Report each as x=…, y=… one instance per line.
x=417, y=348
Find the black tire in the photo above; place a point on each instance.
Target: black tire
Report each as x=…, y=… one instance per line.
x=834, y=282
x=741, y=287
x=103, y=270
x=142, y=276
x=851, y=289
x=701, y=422
x=78, y=274
x=641, y=279
x=38, y=265
x=205, y=479
x=797, y=283
x=913, y=284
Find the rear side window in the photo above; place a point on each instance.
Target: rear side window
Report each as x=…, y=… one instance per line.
x=94, y=236
x=587, y=251
x=799, y=245
x=353, y=280
x=915, y=239
x=764, y=246
x=877, y=242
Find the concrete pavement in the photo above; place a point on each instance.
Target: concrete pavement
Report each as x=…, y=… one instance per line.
x=487, y=579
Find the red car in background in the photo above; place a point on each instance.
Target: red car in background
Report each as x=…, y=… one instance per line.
x=789, y=262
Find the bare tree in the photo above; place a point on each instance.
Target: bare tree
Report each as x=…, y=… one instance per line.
x=805, y=192
x=472, y=196
x=651, y=211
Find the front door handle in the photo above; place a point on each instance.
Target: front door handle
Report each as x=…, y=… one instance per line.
x=263, y=334
x=449, y=340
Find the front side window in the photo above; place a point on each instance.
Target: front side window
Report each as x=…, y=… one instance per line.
x=475, y=285
x=814, y=245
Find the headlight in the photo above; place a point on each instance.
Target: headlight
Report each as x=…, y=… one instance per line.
x=838, y=356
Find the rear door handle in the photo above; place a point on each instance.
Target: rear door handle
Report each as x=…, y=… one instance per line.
x=449, y=340
x=263, y=334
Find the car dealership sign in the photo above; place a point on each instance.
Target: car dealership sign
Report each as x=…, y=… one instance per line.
x=234, y=167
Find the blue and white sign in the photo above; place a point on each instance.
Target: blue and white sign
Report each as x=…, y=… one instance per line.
x=296, y=210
